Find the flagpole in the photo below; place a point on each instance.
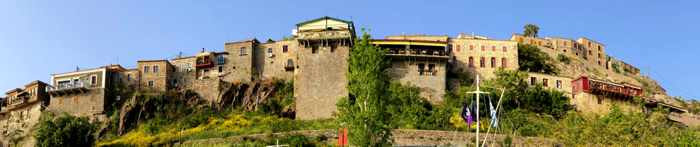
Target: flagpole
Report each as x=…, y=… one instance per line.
x=478, y=93
x=477, y=110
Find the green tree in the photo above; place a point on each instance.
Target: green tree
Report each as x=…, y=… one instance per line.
x=547, y=101
x=65, y=130
x=530, y=58
x=564, y=59
x=531, y=30
x=363, y=112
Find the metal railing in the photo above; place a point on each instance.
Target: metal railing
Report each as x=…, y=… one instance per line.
x=67, y=86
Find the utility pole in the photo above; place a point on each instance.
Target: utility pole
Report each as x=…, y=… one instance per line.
x=478, y=93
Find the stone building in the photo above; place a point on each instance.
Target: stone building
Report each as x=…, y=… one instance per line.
x=622, y=67
x=599, y=96
x=154, y=75
x=241, y=65
x=184, y=73
x=322, y=64
x=589, y=50
x=87, y=92
x=275, y=60
x=560, y=83
x=419, y=61
x=483, y=56
x=22, y=112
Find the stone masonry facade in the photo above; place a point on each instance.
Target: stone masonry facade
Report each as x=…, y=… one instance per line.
x=315, y=59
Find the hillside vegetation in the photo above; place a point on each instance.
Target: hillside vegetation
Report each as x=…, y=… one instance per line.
x=376, y=106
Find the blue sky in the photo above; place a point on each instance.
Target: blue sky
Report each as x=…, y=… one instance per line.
x=38, y=38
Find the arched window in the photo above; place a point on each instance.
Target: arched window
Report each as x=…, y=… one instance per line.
x=505, y=49
x=493, y=48
x=458, y=48
x=504, y=62
x=493, y=62
x=471, y=61
x=482, y=62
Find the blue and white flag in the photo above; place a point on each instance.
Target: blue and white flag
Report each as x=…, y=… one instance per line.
x=494, y=119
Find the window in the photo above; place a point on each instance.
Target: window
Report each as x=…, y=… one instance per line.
x=269, y=52
x=146, y=69
x=533, y=80
x=421, y=68
x=493, y=48
x=493, y=62
x=290, y=65
x=314, y=49
x=128, y=77
x=590, y=52
x=93, y=80
x=458, y=48
x=505, y=49
x=558, y=84
x=545, y=82
x=600, y=48
x=155, y=69
x=431, y=69
x=150, y=83
x=504, y=62
x=285, y=48
x=220, y=59
x=243, y=52
x=221, y=69
x=471, y=47
x=482, y=62
x=483, y=48
x=471, y=61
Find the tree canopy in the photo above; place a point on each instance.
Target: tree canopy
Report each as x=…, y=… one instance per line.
x=530, y=58
x=531, y=30
x=364, y=112
x=65, y=130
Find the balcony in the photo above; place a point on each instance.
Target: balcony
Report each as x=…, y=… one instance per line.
x=68, y=88
x=417, y=53
x=324, y=34
x=204, y=62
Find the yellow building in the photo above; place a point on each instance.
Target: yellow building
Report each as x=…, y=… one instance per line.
x=483, y=56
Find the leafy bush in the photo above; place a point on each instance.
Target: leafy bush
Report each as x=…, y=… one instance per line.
x=530, y=58
x=64, y=130
x=564, y=59
x=616, y=67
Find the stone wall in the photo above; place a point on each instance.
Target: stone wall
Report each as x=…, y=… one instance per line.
x=599, y=104
x=240, y=61
x=20, y=120
x=432, y=84
x=273, y=65
x=552, y=80
x=184, y=73
x=90, y=103
x=320, y=80
x=155, y=80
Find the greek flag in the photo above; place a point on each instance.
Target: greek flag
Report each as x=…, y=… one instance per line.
x=494, y=119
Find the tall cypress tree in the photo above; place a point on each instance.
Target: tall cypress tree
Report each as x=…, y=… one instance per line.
x=363, y=112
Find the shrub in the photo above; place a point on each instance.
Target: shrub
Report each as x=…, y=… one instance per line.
x=65, y=130
x=564, y=59
x=530, y=58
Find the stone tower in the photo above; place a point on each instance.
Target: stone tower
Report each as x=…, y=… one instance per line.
x=320, y=75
